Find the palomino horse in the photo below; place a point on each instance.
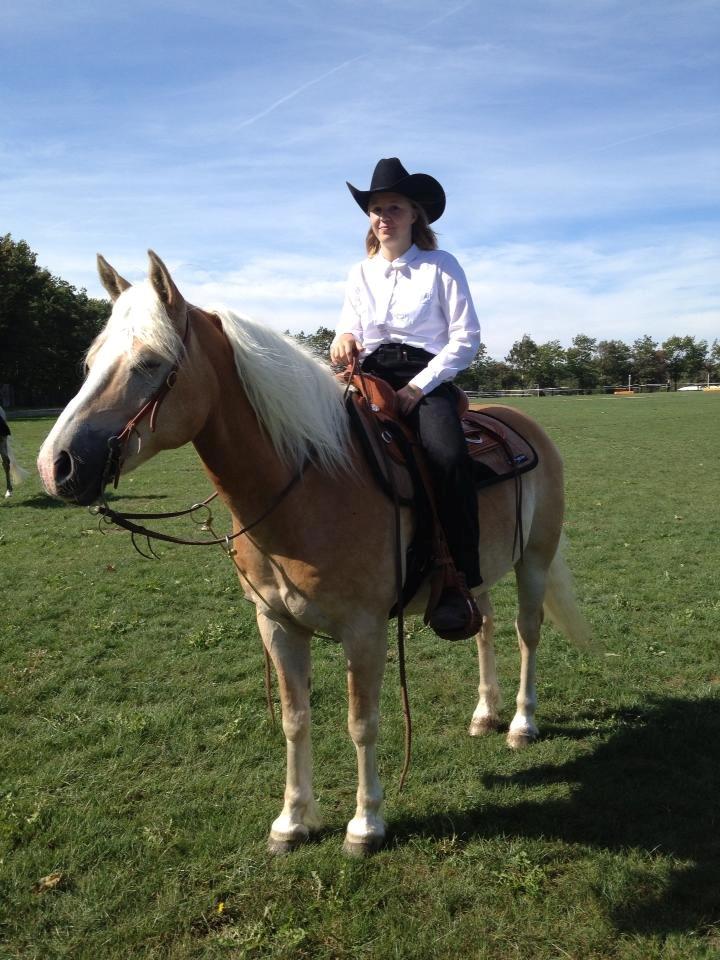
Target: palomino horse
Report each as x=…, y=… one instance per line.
x=14, y=473
x=269, y=424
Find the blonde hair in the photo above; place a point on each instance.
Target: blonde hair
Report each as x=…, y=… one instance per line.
x=423, y=235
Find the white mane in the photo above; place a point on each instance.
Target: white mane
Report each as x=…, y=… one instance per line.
x=296, y=398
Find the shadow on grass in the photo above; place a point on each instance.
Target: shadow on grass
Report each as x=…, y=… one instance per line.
x=43, y=501
x=653, y=786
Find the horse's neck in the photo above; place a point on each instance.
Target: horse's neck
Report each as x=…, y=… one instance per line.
x=235, y=450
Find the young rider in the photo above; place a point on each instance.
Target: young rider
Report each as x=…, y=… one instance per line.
x=409, y=315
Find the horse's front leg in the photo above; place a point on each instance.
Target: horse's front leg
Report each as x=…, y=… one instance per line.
x=289, y=648
x=366, y=652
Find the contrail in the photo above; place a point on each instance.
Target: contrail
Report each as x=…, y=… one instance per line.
x=294, y=93
x=443, y=16
x=653, y=133
x=340, y=66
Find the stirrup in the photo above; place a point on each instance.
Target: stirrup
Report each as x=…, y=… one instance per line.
x=454, y=615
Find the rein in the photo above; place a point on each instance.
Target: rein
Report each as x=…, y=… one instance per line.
x=399, y=601
x=125, y=520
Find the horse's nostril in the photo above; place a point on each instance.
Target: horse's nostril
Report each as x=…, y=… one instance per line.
x=63, y=468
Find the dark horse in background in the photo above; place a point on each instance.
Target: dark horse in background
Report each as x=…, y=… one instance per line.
x=14, y=473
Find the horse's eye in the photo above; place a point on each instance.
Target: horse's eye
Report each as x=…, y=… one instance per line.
x=151, y=365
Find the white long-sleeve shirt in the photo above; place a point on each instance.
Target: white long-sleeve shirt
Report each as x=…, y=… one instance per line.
x=421, y=299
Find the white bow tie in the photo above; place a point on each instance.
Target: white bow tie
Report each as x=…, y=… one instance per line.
x=397, y=267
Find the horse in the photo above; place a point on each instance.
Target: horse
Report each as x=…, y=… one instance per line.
x=14, y=473
x=313, y=533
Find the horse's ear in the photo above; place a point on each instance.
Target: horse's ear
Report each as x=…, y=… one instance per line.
x=110, y=278
x=162, y=282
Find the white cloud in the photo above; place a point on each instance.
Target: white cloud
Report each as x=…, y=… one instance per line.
x=556, y=291
x=548, y=291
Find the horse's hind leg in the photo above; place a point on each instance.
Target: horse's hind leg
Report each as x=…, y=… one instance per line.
x=486, y=718
x=6, y=467
x=531, y=574
x=366, y=652
x=289, y=648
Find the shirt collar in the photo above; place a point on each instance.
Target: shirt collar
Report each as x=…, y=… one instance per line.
x=401, y=263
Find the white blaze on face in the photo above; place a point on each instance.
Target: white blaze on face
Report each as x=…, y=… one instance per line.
x=104, y=364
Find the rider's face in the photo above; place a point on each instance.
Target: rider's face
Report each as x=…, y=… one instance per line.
x=391, y=217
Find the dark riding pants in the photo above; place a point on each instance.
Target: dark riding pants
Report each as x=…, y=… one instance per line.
x=436, y=420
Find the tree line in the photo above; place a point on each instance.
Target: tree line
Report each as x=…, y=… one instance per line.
x=46, y=327
x=587, y=365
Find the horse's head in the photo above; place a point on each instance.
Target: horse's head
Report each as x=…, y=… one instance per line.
x=141, y=394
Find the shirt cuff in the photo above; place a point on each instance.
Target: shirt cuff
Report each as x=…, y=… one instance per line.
x=426, y=381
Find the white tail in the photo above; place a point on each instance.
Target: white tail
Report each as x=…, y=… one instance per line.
x=561, y=606
x=17, y=473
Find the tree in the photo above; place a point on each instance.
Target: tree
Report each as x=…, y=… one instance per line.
x=46, y=327
x=685, y=358
x=317, y=343
x=614, y=362
x=712, y=363
x=549, y=364
x=475, y=377
x=21, y=282
x=522, y=358
x=581, y=361
x=649, y=364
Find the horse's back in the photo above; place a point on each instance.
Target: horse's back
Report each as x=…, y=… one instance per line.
x=539, y=520
x=525, y=425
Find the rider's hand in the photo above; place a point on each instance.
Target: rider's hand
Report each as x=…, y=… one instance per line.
x=344, y=348
x=408, y=398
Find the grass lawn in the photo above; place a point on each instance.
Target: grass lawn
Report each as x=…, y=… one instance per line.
x=139, y=772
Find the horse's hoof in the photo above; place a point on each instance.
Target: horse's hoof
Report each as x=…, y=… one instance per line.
x=362, y=848
x=281, y=848
x=8, y=493
x=482, y=726
x=518, y=740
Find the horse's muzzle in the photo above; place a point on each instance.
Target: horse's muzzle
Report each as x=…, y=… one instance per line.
x=73, y=467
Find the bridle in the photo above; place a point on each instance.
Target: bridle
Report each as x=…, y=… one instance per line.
x=117, y=446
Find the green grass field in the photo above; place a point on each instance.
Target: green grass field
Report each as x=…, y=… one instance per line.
x=140, y=773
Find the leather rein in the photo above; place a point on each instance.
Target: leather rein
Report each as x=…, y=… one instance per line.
x=117, y=446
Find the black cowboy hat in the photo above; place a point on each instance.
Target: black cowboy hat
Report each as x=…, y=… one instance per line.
x=390, y=176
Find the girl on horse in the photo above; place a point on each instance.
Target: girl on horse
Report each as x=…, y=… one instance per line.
x=408, y=314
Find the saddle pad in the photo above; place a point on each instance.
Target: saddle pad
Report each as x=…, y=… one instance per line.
x=497, y=451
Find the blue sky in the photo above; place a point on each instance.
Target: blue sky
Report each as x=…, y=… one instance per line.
x=578, y=142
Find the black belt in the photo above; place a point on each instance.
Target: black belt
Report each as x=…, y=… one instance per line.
x=397, y=352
